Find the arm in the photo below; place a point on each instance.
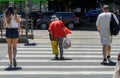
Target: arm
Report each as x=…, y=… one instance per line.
x=4, y=23
x=19, y=28
x=18, y=21
x=98, y=24
x=50, y=35
x=98, y=28
x=50, y=32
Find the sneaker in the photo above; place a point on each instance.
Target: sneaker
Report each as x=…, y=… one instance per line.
x=56, y=58
x=104, y=62
x=14, y=62
x=110, y=61
x=61, y=58
x=10, y=66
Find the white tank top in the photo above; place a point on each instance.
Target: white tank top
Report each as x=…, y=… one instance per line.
x=13, y=23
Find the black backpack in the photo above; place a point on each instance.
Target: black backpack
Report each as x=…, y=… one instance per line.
x=114, y=27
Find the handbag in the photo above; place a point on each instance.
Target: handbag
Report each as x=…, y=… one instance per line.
x=114, y=27
x=66, y=43
x=54, y=47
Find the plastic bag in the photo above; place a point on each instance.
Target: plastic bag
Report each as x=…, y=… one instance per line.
x=66, y=43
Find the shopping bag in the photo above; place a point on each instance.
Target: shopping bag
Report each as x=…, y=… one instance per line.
x=54, y=47
x=66, y=43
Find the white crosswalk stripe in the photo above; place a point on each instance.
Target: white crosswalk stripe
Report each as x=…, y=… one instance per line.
x=26, y=55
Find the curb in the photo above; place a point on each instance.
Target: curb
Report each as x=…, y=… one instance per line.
x=21, y=40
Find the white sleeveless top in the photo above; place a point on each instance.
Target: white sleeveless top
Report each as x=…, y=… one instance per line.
x=13, y=23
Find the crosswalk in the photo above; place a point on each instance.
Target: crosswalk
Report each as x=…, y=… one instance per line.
x=82, y=61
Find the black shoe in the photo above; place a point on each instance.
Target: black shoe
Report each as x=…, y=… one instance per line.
x=14, y=62
x=56, y=58
x=104, y=62
x=9, y=67
x=61, y=58
x=111, y=62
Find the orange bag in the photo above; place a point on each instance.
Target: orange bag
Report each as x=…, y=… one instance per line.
x=54, y=47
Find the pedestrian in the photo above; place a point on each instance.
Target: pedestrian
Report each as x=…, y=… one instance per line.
x=57, y=33
x=11, y=23
x=103, y=27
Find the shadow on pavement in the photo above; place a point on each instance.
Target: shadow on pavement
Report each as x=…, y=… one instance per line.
x=110, y=64
x=30, y=44
x=13, y=68
x=62, y=59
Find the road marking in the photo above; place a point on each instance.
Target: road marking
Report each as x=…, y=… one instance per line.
x=85, y=56
x=66, y=52
x=59, y=67
x=56, y=73
x=74, y=46
x=38, y=60
x=86, y=49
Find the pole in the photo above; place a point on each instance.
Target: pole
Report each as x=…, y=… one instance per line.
x=11, y=4
x=27, y=11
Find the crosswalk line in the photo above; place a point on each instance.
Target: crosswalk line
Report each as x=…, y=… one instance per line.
x=59, y=67
x=94, y=49
x=66, y=52
x=63, y=61
x=56, y=73
x=70, y=56
x=74, y=45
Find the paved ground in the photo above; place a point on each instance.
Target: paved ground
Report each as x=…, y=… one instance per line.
x=82, y=59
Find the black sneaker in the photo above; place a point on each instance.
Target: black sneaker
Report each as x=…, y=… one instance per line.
x=104, y=62
x=56, y=58
x=61, y=58
x=111, y=62
x=14, y=62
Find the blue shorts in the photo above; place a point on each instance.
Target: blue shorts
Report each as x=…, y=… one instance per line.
x=12, y=33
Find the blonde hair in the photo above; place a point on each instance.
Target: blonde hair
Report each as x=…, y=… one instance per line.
x=17, y=19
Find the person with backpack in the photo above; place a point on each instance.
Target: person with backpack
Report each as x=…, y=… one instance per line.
x=103, y=27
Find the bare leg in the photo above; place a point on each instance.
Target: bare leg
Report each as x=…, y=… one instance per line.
x=15, y=47
x=9, y=43
x=104, y=51
x=108, y=51
x=108, y=54
x=15, y=51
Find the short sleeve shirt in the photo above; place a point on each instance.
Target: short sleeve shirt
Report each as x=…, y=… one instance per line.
x=103, y=21
x=57, y=28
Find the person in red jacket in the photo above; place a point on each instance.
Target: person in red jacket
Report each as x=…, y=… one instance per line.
x=58, y=31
